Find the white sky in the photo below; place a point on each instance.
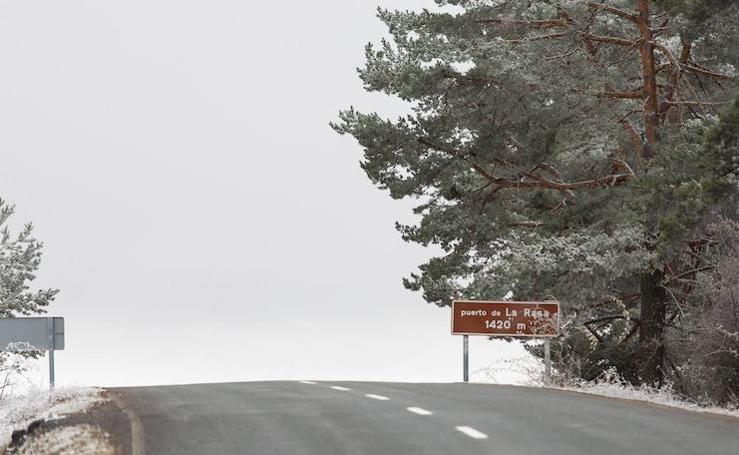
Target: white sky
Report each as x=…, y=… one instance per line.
x=202, y=220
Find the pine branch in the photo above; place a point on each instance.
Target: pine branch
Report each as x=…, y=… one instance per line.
x=479, y=169
x=609, y=39
x=632, y=332
x=536, y=38
x=542, y=183
x=541, y=24
x=612, y=9
x=691, y=89
x=675, y=65
x=606, y=319
x=634, y=135
x=449, y=74
x=706, y=72
x=670, y=56
x=529, y=180
x=681, y=276
x=594, y=333
x=527, y=224
x=633, y=94
x=696, y=103
x=687, y=49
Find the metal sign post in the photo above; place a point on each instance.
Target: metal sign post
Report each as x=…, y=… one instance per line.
x=52, y=379
x=33, y=334
x=466, y=358
x=50, y=336
x=506, y=319
x=547, y=362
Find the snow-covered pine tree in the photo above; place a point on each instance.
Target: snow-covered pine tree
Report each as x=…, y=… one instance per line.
x=20, y=258
x=556, y=149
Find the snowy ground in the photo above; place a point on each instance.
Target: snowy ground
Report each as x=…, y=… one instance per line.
x=19, y=410
x=528, y=371
x=73, y=440
x=615, y=388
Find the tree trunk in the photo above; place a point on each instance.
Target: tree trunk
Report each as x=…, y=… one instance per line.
x=651, y=355
x=652, y=328
x=649, y=75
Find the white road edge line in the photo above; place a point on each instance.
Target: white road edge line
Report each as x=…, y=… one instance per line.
x=420, y=411
x=377, y=397
x=471, y=432
x=137, y=428
x=308, y=382
x=338, y=387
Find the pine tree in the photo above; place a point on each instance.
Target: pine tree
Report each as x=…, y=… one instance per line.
x=20, y=258
x=556, y=151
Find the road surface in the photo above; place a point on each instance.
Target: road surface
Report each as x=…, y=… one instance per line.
x=327, y=418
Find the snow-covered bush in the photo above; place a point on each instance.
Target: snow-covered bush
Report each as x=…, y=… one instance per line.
x=13, y=364
x=524, y=370
x=710, y=372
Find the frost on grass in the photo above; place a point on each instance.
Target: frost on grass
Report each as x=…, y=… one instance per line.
x=610, y=384
x=524, y=370
x=529, y=371
x=17, y=411
x=71, y=440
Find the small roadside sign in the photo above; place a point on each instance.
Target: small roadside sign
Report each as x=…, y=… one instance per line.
x=36, y=333
x=499, y=318
x=23, y=334
x=505, y=319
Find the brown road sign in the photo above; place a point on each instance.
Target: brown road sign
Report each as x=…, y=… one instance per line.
x=507, y=319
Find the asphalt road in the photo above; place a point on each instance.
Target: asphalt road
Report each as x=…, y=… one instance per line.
x=327, y=418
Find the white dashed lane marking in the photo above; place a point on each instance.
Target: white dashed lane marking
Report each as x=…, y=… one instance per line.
x=467, y=431
x=471, y=432
x=420, y=411
x=308, y=382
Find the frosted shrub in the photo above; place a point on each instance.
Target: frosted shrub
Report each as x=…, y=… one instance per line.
x=13, y=363
x=711, y=372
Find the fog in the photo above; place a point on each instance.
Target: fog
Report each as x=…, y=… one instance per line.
x=201, y=219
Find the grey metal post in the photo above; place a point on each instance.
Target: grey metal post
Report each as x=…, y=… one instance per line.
x=547, y=362
x=51, y=369
x=50, y=325
x=466, y=358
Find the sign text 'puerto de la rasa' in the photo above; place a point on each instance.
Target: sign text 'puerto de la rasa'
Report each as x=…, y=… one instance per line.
x=505, y=319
